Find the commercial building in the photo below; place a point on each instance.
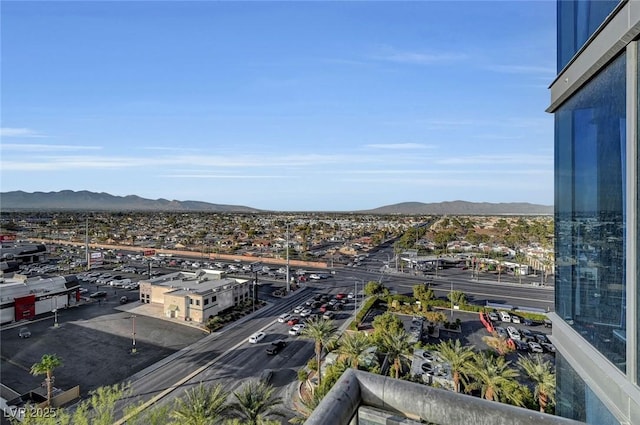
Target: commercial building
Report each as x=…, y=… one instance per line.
x=594, y=99
x=195, y=296
x=23, y=298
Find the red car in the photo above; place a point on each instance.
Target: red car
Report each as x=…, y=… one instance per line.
x=293, y=321
x=340, y=296
x=323, y=308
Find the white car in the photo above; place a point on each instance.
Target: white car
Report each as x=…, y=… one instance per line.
x=284, y=318
x=298, y=309
x=306, y=312
x=351, y=295
x=296, y=329
x=513, y=333
x=257, y=337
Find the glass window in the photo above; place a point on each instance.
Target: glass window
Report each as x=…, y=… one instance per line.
x=577, y=21
x=575, y=400
x=590, y=211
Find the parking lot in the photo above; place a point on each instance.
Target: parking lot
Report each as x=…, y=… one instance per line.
x=94, y=341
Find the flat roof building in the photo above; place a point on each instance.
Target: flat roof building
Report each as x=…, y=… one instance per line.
x=195, y=296
x=23, y=298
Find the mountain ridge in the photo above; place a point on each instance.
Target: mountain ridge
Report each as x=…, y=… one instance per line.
x=101, y=201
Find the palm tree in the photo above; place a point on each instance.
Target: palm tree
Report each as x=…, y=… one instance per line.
x=254, y=403
x=493, y=376
x=458, y=357
x=321, y=331
x=541, y=373
x=353, y=346
x=397, y=346
x=200, y=405
x=45, y=366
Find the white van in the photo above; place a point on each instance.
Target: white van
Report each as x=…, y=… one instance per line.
x=504, y=316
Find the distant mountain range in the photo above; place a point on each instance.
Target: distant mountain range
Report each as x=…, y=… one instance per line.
x=464, y=208
x=92, y=201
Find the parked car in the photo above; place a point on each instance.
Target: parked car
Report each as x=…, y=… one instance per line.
x=293, y=321
x=548, y=347
x=298, y=309
x=124, y=299
x=276, y=346
x=340, y=296
x=535, y=347
x=257, y=337
x=516, y=319
x=493, y=316
x=306, y=312
x=541, y=338
x=520, y=345
x=501, y=332
x=504, y=316
x=24, y=333
x=328, y=315
x=526, y=335
x=513, y=333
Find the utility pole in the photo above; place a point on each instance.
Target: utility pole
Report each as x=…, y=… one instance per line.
x=288, y=281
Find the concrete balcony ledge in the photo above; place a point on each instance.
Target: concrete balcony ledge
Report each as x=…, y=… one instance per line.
x=420, y=402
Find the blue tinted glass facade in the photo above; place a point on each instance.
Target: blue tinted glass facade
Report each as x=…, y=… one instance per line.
x=577, y=21
x=590, y=131
x=575, y=400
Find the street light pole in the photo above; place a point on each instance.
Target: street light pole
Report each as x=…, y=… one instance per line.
x=451, y=299
x=55, y=315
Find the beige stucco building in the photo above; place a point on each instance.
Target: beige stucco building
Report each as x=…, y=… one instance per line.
x=195, y=296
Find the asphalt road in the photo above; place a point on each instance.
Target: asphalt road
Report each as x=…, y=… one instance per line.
x=226, y=353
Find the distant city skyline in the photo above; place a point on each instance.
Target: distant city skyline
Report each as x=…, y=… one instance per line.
x=288, y=106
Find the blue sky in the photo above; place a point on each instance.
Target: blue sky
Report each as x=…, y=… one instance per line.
x=292, y=106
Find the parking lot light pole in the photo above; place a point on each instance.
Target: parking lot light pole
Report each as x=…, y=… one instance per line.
x=133, y=321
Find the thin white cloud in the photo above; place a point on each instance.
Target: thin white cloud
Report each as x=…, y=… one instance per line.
x=19, y=132
x=45, y=148
x=448, y=171
x=522, y=69
x=515, y=159
x=222, y=176
x=399, y=146
x=390, y=54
